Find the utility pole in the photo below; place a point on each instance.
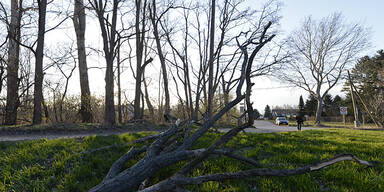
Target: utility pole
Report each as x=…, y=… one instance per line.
x=378, y=124
x=355, y=110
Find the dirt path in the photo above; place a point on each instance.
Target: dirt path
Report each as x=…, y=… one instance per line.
x=52, y=135
x=261, y=127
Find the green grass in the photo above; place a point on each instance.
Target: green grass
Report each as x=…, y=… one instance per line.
x=59, y=165
x=48, y=127
x=330, y=124
x=339, y=124
x=77, y=127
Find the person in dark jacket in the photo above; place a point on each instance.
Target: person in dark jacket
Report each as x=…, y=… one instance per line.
x=299, y=121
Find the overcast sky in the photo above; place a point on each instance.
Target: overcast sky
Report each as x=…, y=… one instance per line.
x=369, y=12
x=266, y=91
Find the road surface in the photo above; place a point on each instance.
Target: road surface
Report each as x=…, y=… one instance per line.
x=269, y=127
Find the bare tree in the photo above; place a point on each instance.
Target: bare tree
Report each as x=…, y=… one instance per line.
x=61, y=59
x=183, y=68
x=211, y=59
x=39, y=55
x=79, y=23
x=13, y=63
x=155, y=19
x=119, y=108
x=26, y=82
x=201, y=42
x=140, y=31
x=109, y=34
x=37, y=48
x=192, y=72
x=147, y=99
x=140, y=35
x=322, y=50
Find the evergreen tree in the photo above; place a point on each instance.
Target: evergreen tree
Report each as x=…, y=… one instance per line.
x=328, y=104
x=368, y=77
x=267, y=112
x=310, y=105
x=256, y=113
x=337, y=102
x=301, y=107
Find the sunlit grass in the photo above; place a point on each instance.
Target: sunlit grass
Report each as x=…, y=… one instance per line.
x=338, y=124
x=60, y=165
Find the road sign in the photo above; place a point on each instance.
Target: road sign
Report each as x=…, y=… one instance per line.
x=343, y=111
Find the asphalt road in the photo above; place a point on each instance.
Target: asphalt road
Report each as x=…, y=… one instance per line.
x=269, y=127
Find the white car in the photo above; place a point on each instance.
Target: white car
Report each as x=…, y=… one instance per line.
x=281, y=121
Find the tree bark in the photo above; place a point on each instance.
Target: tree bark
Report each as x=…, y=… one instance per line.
x=119, y=109
x=108, y=32
x=13, y=63
x=210, y=61
x=79, y=22
x=200, y=79
x=319, y=111
x=148, y=100
x=152, y=14
x=38, y=88
x=140, y=34
x=109, y=116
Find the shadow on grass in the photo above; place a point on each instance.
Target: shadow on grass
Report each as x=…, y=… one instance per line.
x=62, y=165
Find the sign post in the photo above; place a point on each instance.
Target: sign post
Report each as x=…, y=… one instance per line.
x=343, y=111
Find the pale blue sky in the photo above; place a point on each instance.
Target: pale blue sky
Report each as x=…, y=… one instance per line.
x=370, y=13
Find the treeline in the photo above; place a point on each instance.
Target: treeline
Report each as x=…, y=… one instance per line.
x=198, y=47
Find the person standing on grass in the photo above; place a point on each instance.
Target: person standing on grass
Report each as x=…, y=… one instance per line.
x=299, y=121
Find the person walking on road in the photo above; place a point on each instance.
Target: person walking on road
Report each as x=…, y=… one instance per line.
x=299, y=121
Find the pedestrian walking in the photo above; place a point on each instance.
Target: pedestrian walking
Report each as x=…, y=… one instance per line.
x=299, y=121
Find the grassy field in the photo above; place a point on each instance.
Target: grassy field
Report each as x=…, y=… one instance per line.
x=331, y=124
x=339, y=124
x=61, y=165
x=77, y=127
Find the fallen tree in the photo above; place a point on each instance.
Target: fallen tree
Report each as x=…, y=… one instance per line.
x=174, y=145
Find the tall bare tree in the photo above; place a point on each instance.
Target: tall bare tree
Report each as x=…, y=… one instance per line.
x=119, y=108
x=211, y=59
x=79, y=22
x=322, y=51
x=140, y=31
x=39, y=55
x=109, y=34
x=155, y=19
x=182, y=68
x=13, y=62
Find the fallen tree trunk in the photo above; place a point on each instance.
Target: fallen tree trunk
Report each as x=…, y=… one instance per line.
x=175, y=145
x=180, y=180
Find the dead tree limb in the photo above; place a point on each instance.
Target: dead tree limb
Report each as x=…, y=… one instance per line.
x=170, y=147
x=180, y=180
x=117, y=165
